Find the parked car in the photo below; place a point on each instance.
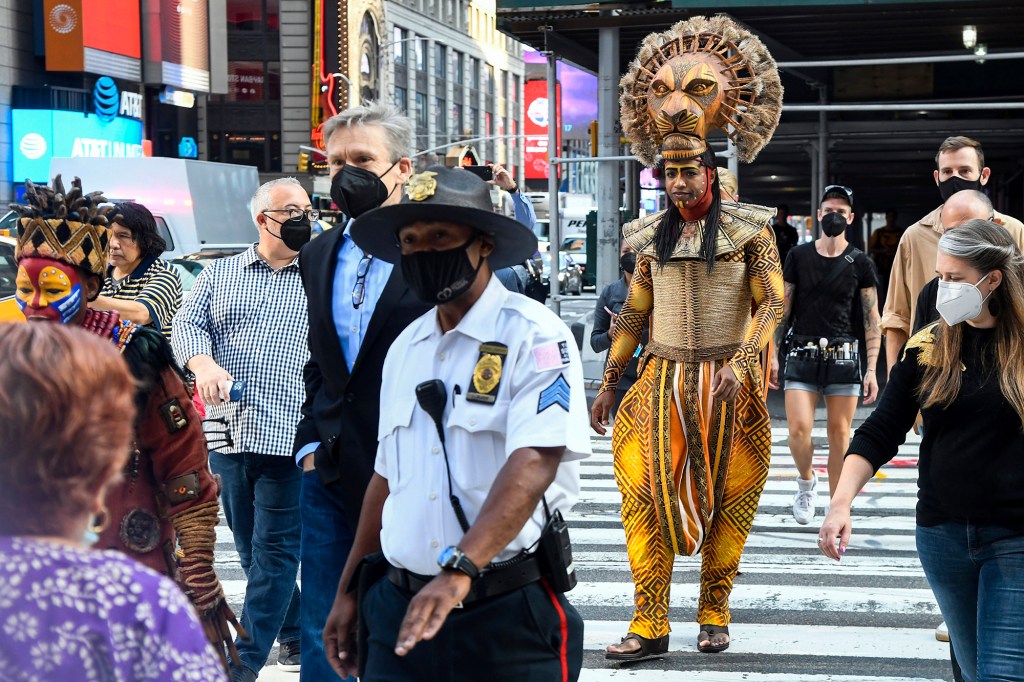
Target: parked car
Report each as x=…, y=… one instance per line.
x=575, y=246
x=570, y=276
x=190, y=266
x=8, y=224
x=9, y=309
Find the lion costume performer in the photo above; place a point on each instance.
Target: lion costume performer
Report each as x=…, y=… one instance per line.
x=163, y=513
x=692, y=437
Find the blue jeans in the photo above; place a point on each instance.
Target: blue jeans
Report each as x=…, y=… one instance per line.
x=977, y=574
x=260, y=494
x=326, y=542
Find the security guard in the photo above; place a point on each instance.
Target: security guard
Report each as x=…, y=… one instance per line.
x=483, y=416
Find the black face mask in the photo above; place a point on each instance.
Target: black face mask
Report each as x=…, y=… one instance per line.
x=356, y=190
x=440, y=276
x=948, y=188
x=295, y=232
x=833, y=224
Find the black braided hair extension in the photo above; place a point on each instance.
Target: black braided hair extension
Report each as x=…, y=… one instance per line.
x=710, y=240
x=667, y=234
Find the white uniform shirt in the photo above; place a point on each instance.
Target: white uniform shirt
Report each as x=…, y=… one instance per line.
x=540, y=402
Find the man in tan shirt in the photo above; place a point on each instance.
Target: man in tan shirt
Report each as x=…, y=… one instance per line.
x=960, y=165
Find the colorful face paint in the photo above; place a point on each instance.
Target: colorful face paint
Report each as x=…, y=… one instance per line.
x=688, y=185
x=48, y=289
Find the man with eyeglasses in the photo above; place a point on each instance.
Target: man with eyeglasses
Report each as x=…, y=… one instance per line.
x=242, y=330
x=358, y=305
x=823, y=281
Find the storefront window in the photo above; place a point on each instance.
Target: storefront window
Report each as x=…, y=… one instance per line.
x=441, y=113
x=245, y=15
x=422, y=115
x=247, y=82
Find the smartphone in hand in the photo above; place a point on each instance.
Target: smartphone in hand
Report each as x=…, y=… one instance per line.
x=237, y=388
x=485, y=173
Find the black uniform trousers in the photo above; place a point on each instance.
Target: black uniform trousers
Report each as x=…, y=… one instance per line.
x=528, y=635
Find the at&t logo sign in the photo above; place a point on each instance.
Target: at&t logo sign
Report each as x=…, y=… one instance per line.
x=104, y=95
x=111, y=104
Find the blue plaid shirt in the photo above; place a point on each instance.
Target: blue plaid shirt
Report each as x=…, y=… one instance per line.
x=253, y=321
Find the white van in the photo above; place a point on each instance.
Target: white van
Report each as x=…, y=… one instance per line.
x=198, y=205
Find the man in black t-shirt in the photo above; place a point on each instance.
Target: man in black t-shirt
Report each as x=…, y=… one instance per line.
x=823, y=279
x=786, y=235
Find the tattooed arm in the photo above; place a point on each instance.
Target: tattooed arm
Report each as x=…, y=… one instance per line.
x=872, y=341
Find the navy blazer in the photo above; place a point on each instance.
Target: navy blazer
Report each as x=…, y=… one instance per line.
x=342, y=409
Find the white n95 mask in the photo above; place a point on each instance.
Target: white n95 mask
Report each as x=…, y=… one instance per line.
x=959, y=301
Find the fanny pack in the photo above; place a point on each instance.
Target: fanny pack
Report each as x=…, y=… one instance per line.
x=837, y=362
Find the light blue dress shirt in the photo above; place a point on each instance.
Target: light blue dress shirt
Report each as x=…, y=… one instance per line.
x=351, y=323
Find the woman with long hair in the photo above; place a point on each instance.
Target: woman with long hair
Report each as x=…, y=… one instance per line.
x=965, y=373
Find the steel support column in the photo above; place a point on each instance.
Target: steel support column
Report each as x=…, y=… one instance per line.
x=554, y=225
x=609, y=199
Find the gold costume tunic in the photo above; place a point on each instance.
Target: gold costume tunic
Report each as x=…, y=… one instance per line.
x=691, y=468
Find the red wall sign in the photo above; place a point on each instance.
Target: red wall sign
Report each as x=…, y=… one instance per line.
x=535, y=127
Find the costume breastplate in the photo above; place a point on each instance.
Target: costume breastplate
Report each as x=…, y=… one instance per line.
x=700, y=315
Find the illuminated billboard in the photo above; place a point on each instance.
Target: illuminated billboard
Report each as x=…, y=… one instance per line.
x=578, y=99
x=39, y=135
x=177, y=36
x=95, y=36
x=535, y=127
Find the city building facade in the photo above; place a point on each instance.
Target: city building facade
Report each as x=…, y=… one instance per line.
x=103, y=78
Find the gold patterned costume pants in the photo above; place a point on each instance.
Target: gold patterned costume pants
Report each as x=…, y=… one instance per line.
x=691, y=470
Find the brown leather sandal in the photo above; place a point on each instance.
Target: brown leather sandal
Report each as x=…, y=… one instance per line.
x=649, y=648
x=709, y=631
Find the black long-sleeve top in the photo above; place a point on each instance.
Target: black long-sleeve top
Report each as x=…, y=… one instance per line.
x=971, y=464
x=925, y=312
x=612, y=297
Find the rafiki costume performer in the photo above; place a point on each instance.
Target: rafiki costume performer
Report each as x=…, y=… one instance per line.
x=164, y=510
x=692, y=436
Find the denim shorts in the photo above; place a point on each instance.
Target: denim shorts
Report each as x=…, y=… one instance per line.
x=849, y=390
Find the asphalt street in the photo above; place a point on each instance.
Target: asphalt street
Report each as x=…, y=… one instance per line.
x=796, y=615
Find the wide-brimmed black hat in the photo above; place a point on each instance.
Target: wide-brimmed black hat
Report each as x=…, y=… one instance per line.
x=444, y=194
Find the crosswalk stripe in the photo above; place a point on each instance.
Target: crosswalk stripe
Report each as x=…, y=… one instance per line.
x=713, y=676
x=754, y=564
x=769, y=639
x=780, y=598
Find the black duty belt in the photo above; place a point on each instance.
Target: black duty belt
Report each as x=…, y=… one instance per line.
x=491, y=582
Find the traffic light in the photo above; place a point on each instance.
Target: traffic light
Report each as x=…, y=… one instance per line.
x=303, y=162
x=593, y=138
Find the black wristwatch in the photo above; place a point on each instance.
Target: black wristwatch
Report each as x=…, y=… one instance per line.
x=453, y=558
x=514, y=189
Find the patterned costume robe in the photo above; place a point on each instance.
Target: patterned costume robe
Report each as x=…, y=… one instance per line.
x=691, y=468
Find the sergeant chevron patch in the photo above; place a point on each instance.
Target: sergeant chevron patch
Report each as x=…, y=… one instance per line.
x=555, y=394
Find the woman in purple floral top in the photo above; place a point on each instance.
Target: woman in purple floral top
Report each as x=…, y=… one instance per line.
x=68, y=613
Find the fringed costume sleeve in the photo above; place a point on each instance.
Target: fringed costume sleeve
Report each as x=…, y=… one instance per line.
x=627, y=332
x=170, y=431
x=765, y=276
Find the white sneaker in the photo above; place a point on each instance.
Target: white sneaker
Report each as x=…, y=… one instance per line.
x=942, y=632
x=803, y=501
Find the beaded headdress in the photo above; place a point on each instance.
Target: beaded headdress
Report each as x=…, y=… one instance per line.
x=703, y=74
x=67, y=226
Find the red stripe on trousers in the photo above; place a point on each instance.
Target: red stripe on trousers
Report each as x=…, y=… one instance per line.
x=563, y=627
